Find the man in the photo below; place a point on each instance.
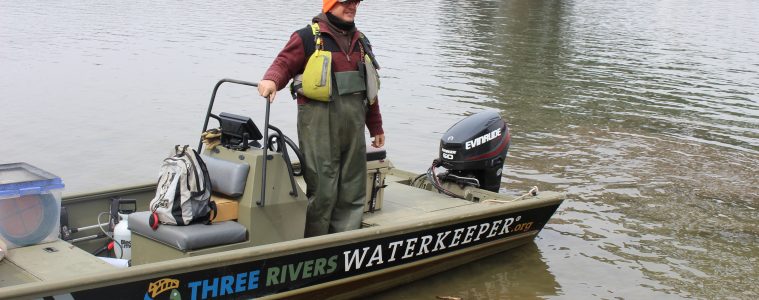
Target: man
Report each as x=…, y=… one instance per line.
x=331, y=132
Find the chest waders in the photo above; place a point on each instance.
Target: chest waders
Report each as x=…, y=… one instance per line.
x=331, y=137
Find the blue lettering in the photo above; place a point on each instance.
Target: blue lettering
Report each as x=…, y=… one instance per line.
x=253, y=279
x=240, y=284
x=230, y=284
x=226, y=285
x=213, y=288
x=194, y=286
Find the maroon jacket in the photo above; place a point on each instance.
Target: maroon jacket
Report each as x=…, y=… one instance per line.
x=292, y=60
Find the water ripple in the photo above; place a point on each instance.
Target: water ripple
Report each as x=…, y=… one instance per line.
x=645, y=112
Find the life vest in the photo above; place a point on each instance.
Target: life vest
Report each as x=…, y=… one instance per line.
x=318, y=77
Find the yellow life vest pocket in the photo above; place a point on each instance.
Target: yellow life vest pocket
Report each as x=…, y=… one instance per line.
x=317, y=77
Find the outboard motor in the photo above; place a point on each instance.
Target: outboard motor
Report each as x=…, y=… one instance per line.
x=475, y=148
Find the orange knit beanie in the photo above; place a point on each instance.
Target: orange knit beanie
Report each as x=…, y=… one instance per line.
x=327, y=5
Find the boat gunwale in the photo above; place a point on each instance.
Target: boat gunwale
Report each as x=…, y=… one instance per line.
x=107, y=192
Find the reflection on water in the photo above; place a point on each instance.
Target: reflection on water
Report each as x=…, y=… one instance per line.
x=525, y=276
x=646, y=113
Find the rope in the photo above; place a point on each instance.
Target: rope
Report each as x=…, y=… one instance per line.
x=533, y=192
x=211, y=138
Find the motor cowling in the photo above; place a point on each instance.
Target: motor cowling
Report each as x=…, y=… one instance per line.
x=476, y=147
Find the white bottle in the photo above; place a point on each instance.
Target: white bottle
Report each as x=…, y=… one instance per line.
x=123, y=236
x=3, y=248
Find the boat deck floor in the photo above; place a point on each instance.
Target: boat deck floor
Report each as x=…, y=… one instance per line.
x=45, y=262
x=403, y=202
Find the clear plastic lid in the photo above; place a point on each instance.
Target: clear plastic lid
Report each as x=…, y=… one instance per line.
x=24, y=179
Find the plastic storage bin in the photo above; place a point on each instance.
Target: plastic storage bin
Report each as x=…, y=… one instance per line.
x=30, y=205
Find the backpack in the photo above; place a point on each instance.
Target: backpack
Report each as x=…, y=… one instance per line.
x=183, y=194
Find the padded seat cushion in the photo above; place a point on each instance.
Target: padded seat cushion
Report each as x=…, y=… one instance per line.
x=373, y=154
x=227, y=177
x=191, y=237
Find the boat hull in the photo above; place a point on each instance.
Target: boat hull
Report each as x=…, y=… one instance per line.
x=367, y=284
x=342, y=265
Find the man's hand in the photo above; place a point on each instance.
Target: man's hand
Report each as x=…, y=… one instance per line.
x=378, y=140
x=267, y=89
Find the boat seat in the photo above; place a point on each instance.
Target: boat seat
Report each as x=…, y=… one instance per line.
x=227, y=177
x=190, y=237
x=373, y=154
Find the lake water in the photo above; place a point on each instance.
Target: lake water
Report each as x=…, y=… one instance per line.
x=645, y=112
